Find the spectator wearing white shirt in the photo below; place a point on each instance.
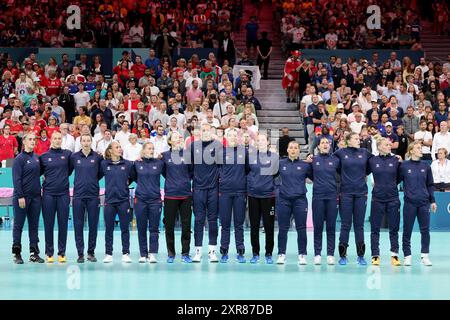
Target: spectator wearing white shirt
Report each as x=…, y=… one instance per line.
x=99, y=135
x=423, y=66
x=154, y=90
x=137, y=34
x=123, y=135
x=181, y=119
x=193, y=77
x=441, y=170
x=426, y=138
x=84, y=130
x=307, y=99
x=251, y=124
x=357, y=125
x=220, y=108
x=68, y=141
x=132, y=150
x=81, y=98
x=161, y=115
x=356, y=108
x=173, y=126
x=230, y=114
x=160, y=141
x=105, y=142
x=210, y=119
x=441, y=139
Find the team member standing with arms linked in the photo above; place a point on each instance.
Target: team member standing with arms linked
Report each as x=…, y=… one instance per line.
x=26, y=199
x=147, y=202
x=118, y=176
x=263, y=167
x=292, y=200
x=55, y=166
x=232, y=195
x=385, y=200
x=205, y=191
x=177, y=196
x=353, y=197
x=86, y=165
x=324, y=200
x=418, y=186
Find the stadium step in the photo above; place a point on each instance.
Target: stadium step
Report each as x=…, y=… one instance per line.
x=275, y=113
x=436, y=47
x=294, y=120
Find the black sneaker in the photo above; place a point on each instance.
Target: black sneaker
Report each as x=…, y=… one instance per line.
x=18, y=258
x=91, y=258
x=36, y=259
x=80, y=259
x=288, y=100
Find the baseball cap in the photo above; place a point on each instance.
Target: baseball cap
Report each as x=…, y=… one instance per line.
x=12, y=95
x=374, y=100
x=355, y=104
x=36, y=79
x=388, y=124
x=340, y=106
x=120, y=114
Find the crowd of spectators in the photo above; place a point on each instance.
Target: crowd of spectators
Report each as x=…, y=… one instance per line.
x=343, y=25
x=146, y=100
x=114, y=23
x=399, y=100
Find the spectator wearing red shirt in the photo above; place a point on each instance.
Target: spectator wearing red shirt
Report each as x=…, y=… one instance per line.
x=78, y=76
x=43, y=144
x=132, y=101
x=8, y=144
x=52, y=126
x=138, y=68
x=15, y=125
x=11, y=68
x=34, y=127
x=39, y=121
x=53, y=85
x=122, y=73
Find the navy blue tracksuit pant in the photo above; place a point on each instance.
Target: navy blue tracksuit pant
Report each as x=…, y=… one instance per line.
x=324, y=210
x=31, y=213
x=377, y=211
x=232, y=205
x=79, y=208
x=352, y=209
x=285, y=209
x=110, y=211
x=148, y=215
x=53, y=206
x=410, y=212
x=205, y=206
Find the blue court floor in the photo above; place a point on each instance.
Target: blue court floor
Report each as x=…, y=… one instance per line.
x=225, y=281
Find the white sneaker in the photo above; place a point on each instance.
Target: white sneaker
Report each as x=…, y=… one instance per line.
x=108, y=259
x=142, y=259
x=126, y=258
x=407, y=261
x=330, y=260
x=317, y=260
x=302, y=260
x=281, y=259
x=152, y=258
x=198, y=255
x=212, y=256
x=426, y=260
